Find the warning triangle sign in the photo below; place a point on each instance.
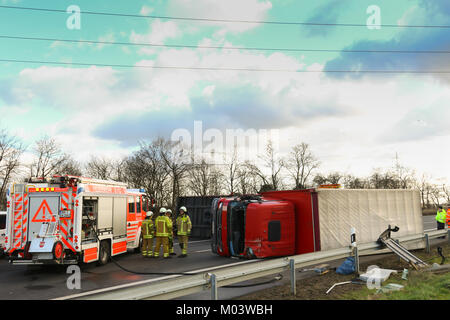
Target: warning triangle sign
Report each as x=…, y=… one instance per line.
x=43, y=214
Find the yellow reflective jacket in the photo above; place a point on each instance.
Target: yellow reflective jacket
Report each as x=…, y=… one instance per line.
x=184, y=225
x=441, y=215
x=163, y=226
x=148, y=229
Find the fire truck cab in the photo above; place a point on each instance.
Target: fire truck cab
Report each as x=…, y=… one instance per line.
x=69, y=219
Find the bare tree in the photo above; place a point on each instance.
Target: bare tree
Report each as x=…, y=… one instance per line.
x=300, y=164
x=331, y=178
x=436, y=195
x=10, y=151
x=446, y=193
x=205, y=179
x=118, y=173
x=275, y=164
x=100, y=168
x=70, y=167
x=250, y=178
x=48, y=158
x=232, y=170
x=352, y=182
x=175, y=157
x=145, y=168
x=404, y=176
x=384, y=180
x=425, y=188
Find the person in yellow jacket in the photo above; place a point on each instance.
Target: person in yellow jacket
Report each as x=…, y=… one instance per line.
x=184, y=227
x=171, y=252
x=148, y=232
x=163, y=227
x=440, y=219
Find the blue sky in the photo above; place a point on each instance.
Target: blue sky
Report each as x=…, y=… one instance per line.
x=353, y=122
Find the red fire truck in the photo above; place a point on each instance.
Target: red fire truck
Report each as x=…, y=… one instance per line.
x=282, y=223
x=69, y=219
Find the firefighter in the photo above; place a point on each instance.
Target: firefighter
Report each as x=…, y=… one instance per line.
x=163, y=226
x=148, y=232
x=184, y=227
x=171, y=252
x=440, y=219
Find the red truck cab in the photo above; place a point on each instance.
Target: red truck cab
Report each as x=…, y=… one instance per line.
x=253, y=227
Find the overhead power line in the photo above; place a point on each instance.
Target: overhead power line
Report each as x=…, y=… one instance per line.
x=226, y=68
x=225, y=20
x=221, y=47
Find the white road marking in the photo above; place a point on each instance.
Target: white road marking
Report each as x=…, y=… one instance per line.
x=202, y=251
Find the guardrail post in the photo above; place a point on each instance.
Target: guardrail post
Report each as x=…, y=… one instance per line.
x=356, y=260
x=427, y=243
x=213, y=281
x=293, y=279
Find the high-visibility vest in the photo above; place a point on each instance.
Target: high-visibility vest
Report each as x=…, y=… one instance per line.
x=440, y=216
x=147, y=229
x=163, y=226
x=184, y=225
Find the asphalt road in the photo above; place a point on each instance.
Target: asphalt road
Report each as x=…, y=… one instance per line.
x=49, y=282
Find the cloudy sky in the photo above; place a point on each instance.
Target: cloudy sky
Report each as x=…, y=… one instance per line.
x=353, y=122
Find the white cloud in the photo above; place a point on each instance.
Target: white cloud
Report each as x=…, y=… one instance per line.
x=105, y=38
x=159, y=31
x=146, y=10
x=347, y=140
x=249, y=10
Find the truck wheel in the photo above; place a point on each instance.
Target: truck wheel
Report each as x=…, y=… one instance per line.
x=58, y=251
x=104, y=254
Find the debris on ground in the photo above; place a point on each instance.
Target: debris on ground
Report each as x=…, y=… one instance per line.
x=405, y=274
x=337, y=284
x=312, y=286
x=347, y=267
x=320, y=269
x=376, y=274
x=390, y=287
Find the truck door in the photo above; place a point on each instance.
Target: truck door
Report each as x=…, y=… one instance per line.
x=43, y=208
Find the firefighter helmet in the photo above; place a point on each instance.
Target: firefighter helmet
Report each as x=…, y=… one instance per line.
x=162, y=210
x=149, y=214
x=183, y=209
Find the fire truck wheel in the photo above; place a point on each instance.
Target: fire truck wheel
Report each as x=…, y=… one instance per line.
x=104, y=253
x=58, y=250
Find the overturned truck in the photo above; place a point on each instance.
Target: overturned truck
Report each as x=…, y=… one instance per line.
x=281, y=223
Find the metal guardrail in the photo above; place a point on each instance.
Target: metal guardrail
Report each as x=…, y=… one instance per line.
x=179, y=286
